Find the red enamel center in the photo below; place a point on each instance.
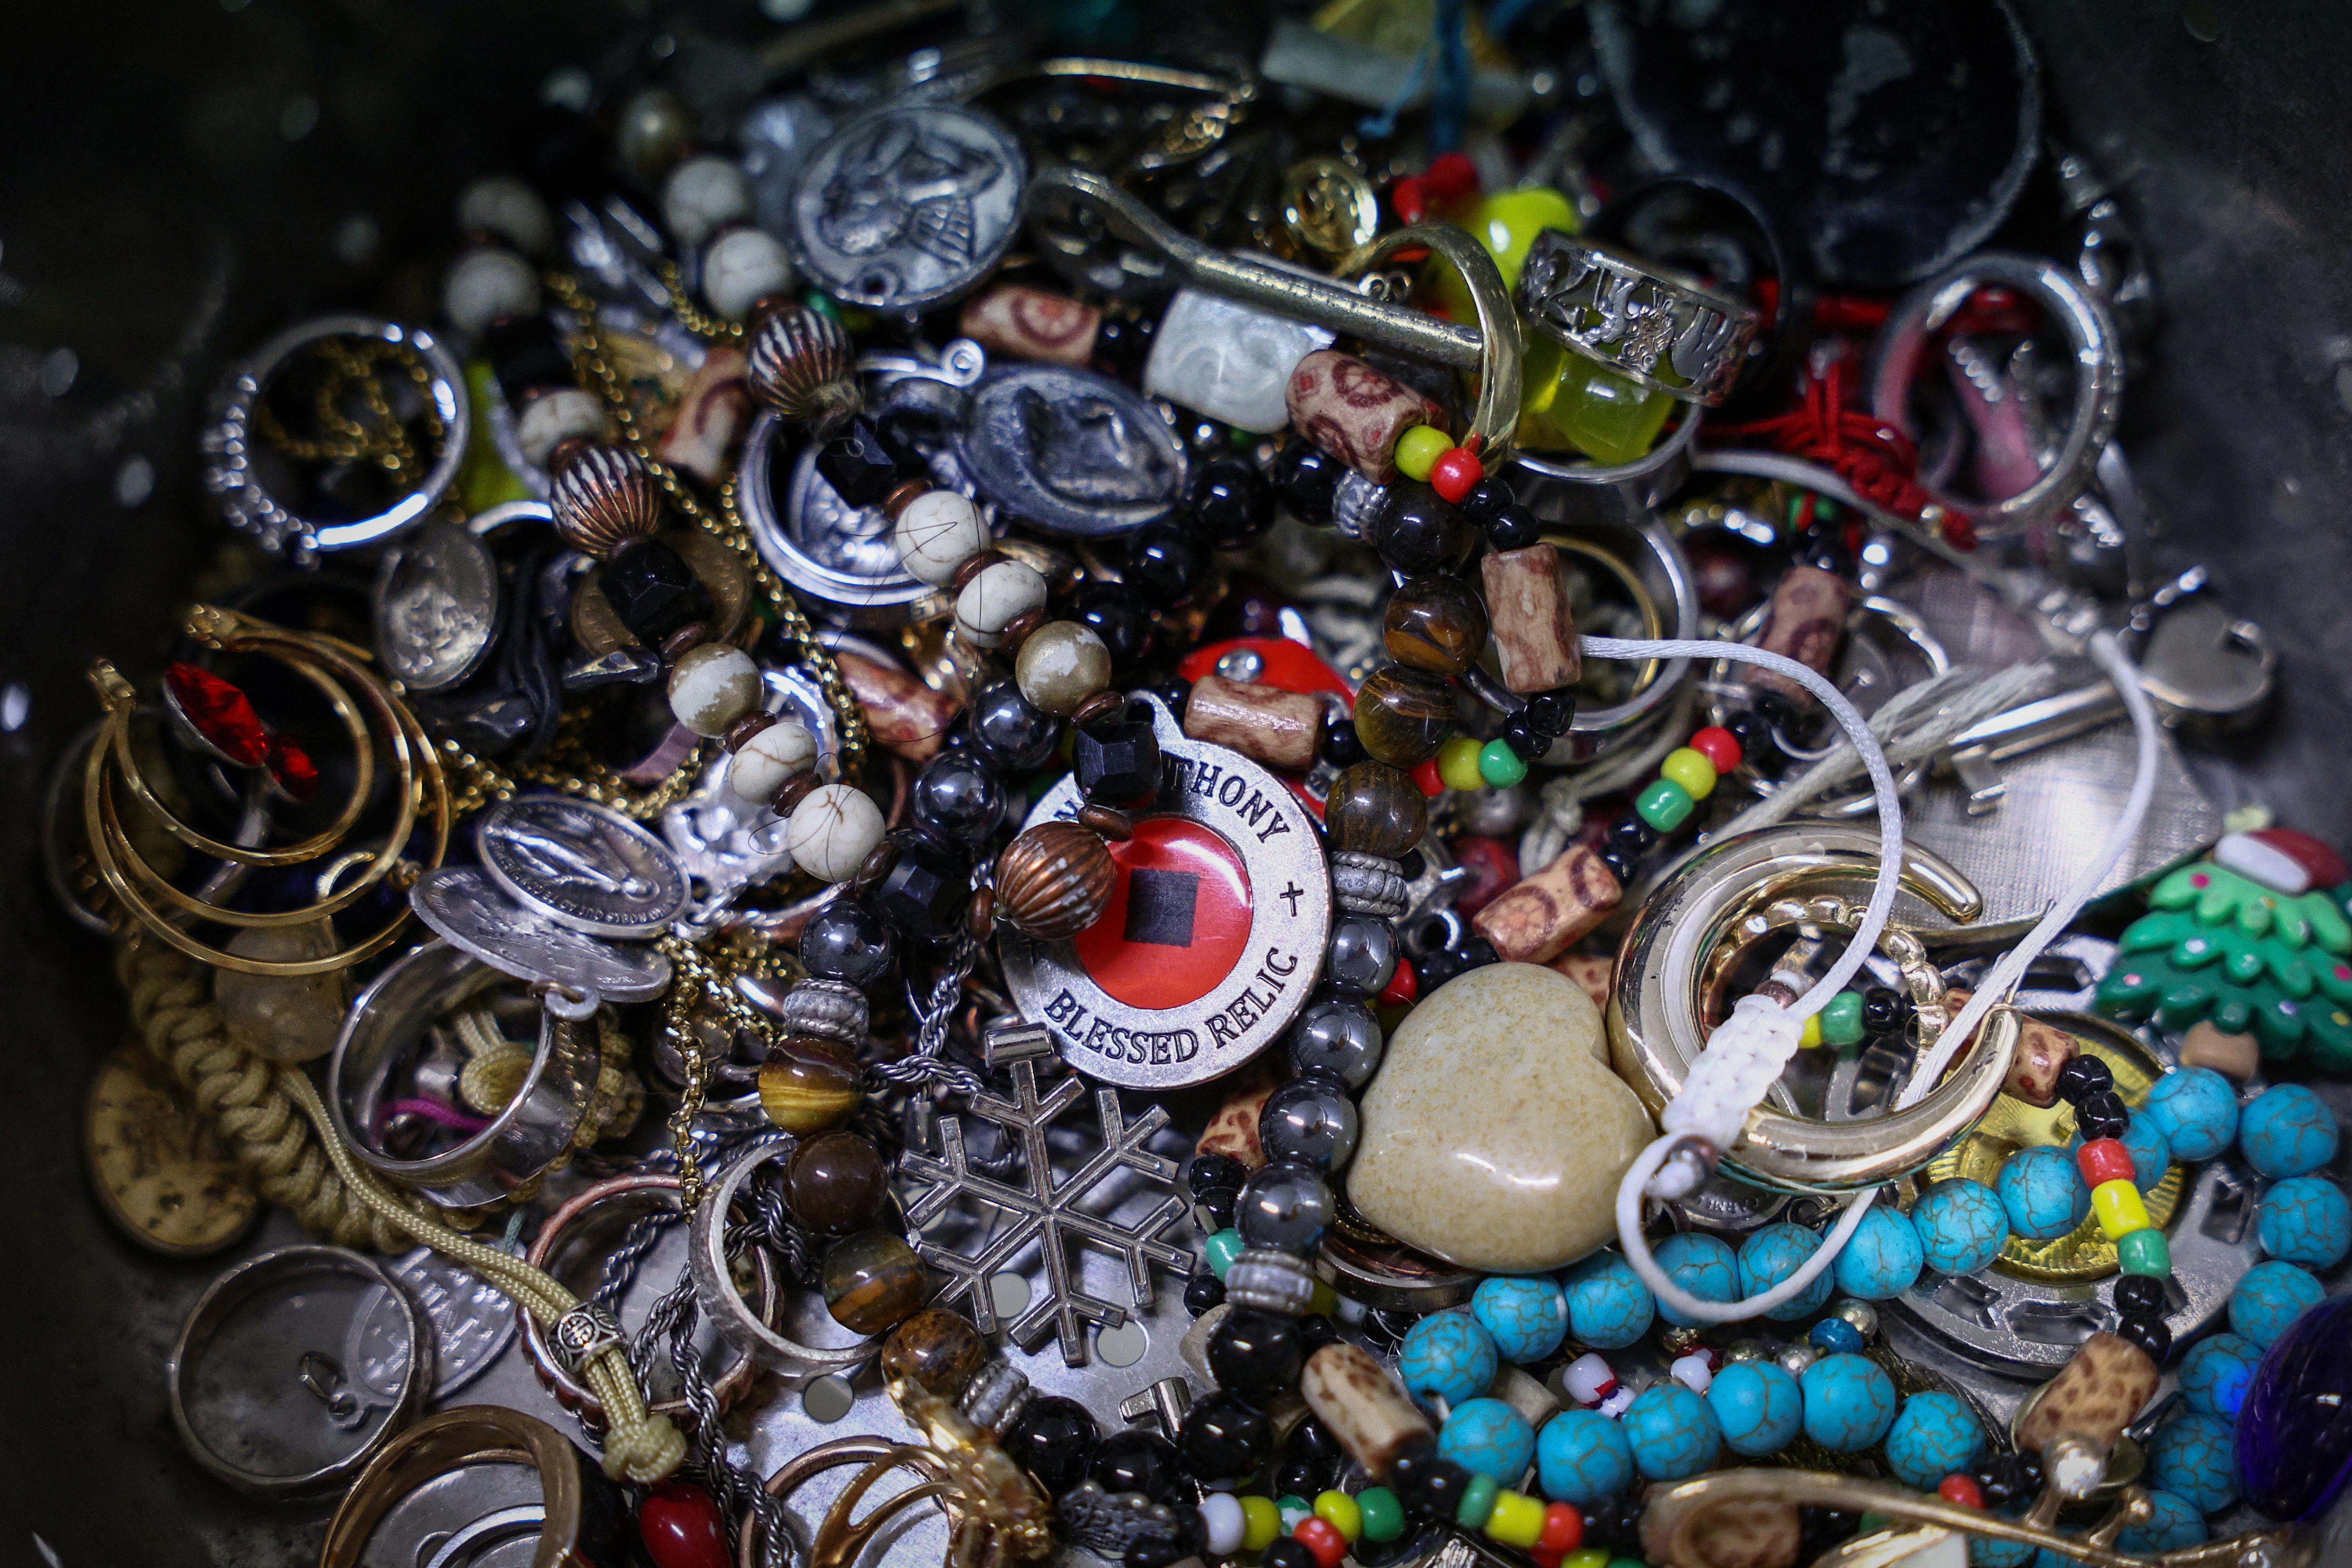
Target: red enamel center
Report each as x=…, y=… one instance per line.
x=1179, y=916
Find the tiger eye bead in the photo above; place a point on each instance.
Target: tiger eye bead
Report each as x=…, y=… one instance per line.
x=937, y=1351
x=1374, y=809
x=1403, y=715
x=1435, y=624
x=873, y=1281
x=835, y=1182
x=806, y=1086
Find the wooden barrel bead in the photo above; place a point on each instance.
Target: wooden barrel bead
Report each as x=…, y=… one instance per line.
x=1596, y=973
x=2095, y=1396
x=1361, y=1405
x=1535, y=921
x=1354, y=412
x=1375, y=809
x=1032, y=324
x=1807, y=618
x=1534, y=632
x=1275, y=726
x=1403, y=715
x=1437, y=623
x=1053, y=880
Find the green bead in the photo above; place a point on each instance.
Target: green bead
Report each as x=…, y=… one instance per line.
x=1223, y=1249
x=1664, y=806
x=1293, y=1508
x=1568, y=401
x=1383, y=1514
x=1499, y=765
x=2146, y=1252
x=1477, y=1502
x=1842, y=1019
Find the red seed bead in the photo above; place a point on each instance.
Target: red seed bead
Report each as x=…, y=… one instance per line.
x=1718, y=745
x=1456, y=474
x=1563, y=1530
x=1403, y=990
x=1409, y=198
x=1321, y=1537
x=1431, y=782
x=2104, y=1159
x=1451, y=178
x=1962, y=1490
x=680, y=1526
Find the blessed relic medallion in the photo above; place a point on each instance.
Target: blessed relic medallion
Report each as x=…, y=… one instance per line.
x=1210, y=943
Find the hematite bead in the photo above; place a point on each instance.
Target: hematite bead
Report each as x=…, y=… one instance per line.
x=2140, y=1296
x=848, y=942
x=1285, y=1205
x=2103, y=1115
x=1053, y=1440
x=2082, y=1077
x=1203, y=1292
x=1362, y=954
x=1164, y=562
x=1230, y=503
x=1312, y=1121
x=1375, y=809
x=1437, y=624
x=1138, y=1461
x=1225, y=1438
x=1116, y=761
x=1418, y=531
x=924, y=892
x=1339, y=1039
x=654, y=592
x=959, y=799
x=857, y=466
x=1118, y=616
x=1403, y=715
x=1013, y=732
x=1304, y=476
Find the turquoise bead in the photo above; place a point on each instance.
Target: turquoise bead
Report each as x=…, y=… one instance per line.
x=1703, y=1266
x=1758, y=1406
x=1849, y=1402
x=1447, y=1356
x=1664, y=805
x=1985, y=1553
x=1882, y=1257
x=1963, y=1226
x=2195, y=1110
x=1222, y=1249
x=2306, y=1220
x=2194, y=1457
x=2042, y=1193
x=1770, y=1256
x=1499, y=765
x=1582, y=1459
x=2287, y=1131
x=1842, y=1019
x=1934, y=1434
x=1487, y=1437
x=2172, y=1523
x=1524, y=1314
x=2151, y=1152
x=2215, y=1373
x=1608, y=1305
x=1672, y=1432
x=2270, y=1296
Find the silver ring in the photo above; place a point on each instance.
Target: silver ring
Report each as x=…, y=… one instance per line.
x=229, y=473
x=1649, y=479
x=891, y=596
x=238, y=1286
x=1629, y=315
x=2091, y=339
x=520, y=1143
x=744, y=1329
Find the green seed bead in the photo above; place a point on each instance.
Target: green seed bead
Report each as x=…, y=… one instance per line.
x=1664, y=806
x=1477, y=1502
x=1418, y=449
x=1499, y=765
x=1842, y=1019
x=1223, y=1249
x=1294, y=1508
x=1690, y=769
x=2146, y=1252
x=1383, y=1513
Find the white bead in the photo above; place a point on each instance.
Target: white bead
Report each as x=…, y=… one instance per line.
x=1692, y=1372
x=769, y=758
x=702, y=194
x=1062, y=664
x=712, y=686
x=833, y=830
x=1589, y=1379
x=938, y=532
x=555, y=417
x=503, y=205
x=1228, y=361
x=1221, y=1512
x=741, y=265
x=989, y=600
x=487, y=282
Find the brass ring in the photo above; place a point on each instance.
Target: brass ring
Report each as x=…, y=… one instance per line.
x=1495, y=418
x=582, y=1507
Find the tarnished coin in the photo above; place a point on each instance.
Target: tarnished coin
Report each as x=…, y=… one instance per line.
x=473, y=915
x=160, y=1171
x=908, y=205
x=1070, y=452
x=1328, y=206
x=582, y=865
x=472, y=1320
x=436, y=606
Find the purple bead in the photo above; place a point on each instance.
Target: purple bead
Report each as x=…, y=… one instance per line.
x=2294, y=1430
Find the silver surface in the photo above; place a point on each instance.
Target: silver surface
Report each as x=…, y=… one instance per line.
x=1069, y=452
x=582, y=865
x=908, y=205
x=471, y=1321
x=472, y=914
x=784, y=1348
x=1629, y=315
x=827, y=550
x=436, y=606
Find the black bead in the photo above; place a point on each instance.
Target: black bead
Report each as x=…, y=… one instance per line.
x=2150, y=1334
x=1119, y=616
x=1476, y=952
x=1487, y=497
x=1207, y=439
x=1620, y=866
x=1014, y=735
x=2103, y=1115
x=1551, y=712
x=925, y=892
x=2082, y=1077
x=1305, y=476
x=2008, y=1479
x=1415, y=1546
x=857, y=466
x=1139, y=1462
x=1204, y=1291
x=1125, y=342
x=958, y=798
x=1301, y=1477
x=1884, y=1010
x=1631, y=837
x=1117, y=760
x=1287, y=1551
x=1220, y=1203
x=1153, y=1550
x=1428, y=1482
x=1820, y=1529
x=1254, y=1354
x=654, y=592
x=1230, y=503
x=1209, y=1169
x=1755, y=737
x=1526, y=742
x=1614, y=1521
x=1226, y=1437
x=1418, y=531
x=1341, y=746
x=1164, y=562
x=848, y=942
x=526, y=356
x=1173, y=694
x=1053, y=1440
x=2140, y=1296
x=1310, y=1439
x=1514, y=528
x=1315, y=1331
x=1435, y=970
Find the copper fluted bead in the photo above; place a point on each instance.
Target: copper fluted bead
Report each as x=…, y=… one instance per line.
x=1053, y=880
x=804, y=367
x=603, y=496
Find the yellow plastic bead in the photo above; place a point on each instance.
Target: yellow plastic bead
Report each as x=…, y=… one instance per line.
x=1691, y=770
x=1418, y=449
x=2117, y=1204
x=1261, y=1522
x=1518, y=1519
x=1506, y=224
x=1324, y=1301
x=1589, y=1557
x=1342, y=1512
x=1458, y=763
x=1810, y=1037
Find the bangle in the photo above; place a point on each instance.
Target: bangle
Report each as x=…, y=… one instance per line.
x=583, y=1513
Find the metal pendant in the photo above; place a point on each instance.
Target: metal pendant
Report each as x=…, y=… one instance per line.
x=436, y=606
x=908, y=205
x=1069, y=452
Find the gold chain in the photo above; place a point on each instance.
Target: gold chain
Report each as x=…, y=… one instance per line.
x=726, y=525
x=477, y=783
x=379, y=440
x=693, y=317
x=698, y=977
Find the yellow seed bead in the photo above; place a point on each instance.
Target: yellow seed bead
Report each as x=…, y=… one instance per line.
x=1809, y=1035
x=1418, y=449
x=1458, y=763
x=1261, y=1522
x=1589, y=1557
x=1324, y=1301
x=1691, y=770
x=1342, y=1512
x=1518, y=1519
x=2118, y=1206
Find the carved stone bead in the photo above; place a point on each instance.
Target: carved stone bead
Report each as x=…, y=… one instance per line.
x=1276, y=726
x=1435, y=624
x=937, y=1351
x=1404, y=715
x=1535, y=634
x=807, y=1086
x=1807, y=619
x=2096, y=1395
x=1354, y=412
x=1535, y=921
x=1053, y=880
x=1361, y=1405
x=1375, y=809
